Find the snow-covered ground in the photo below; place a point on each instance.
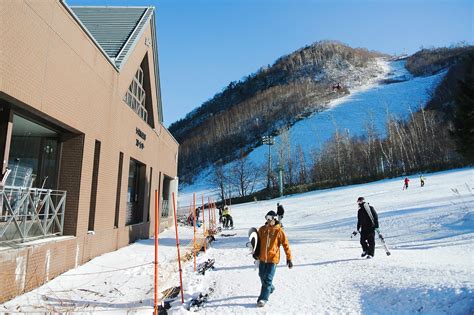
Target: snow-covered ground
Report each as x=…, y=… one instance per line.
x=430, y=232
x=370, y=103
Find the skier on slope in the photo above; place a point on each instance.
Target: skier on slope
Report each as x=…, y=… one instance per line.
x=271, y=236
x=367, y=224
x=422, y=181
x=406, y=180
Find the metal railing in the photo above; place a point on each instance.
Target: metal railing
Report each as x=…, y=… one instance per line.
x=165, y=208
x=27, y=213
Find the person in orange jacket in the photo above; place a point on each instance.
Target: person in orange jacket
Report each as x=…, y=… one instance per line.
x=271, y=236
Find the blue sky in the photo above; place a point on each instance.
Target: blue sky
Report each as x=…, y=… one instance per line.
x=203, y=45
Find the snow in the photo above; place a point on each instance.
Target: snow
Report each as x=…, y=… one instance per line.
x=369, y=103
x=429, y=231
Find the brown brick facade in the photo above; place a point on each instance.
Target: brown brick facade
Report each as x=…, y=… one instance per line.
x=52, y=73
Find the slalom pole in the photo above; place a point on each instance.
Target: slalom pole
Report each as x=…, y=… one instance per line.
x=214, y=212
x=194, y=240
x=204, y=223
x=177, y=246
x=209, y=211
x=157, y=218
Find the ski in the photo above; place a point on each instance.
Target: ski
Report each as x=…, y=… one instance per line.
x=384, y=244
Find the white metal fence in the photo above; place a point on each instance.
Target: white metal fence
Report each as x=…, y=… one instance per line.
x=30, y=213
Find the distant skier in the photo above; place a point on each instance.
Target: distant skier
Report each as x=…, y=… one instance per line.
x=271, y=236
x=422, y=180
x=367, y=224
x=280, y=212
x=406, y=180
x=227, y=218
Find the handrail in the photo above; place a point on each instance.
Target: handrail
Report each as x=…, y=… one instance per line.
x=27, y=213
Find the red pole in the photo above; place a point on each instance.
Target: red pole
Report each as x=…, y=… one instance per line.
x=177, y=246
x=194, y=240
x=209, y=211
x=203, y=223
x=157, y=219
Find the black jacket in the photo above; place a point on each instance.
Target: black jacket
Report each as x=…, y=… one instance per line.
x=364, y=223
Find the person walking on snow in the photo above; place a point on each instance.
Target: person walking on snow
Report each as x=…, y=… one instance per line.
x=422, y=180
x=271, y=236
x=280, y=212
x=367, y=224
x=406, y=180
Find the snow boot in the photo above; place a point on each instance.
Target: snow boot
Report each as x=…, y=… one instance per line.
x=369, y=257
x=261, y=303
x=363, y=254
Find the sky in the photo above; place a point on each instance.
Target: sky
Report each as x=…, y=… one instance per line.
x=204, y=45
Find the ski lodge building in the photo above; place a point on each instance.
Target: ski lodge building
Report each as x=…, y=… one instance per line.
x=82, y=140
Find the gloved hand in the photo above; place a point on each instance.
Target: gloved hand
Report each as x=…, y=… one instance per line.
x=289, y=264
x=354, y=233
x=377, y=230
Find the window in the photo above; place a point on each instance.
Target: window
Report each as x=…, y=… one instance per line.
x=33, y=159
x=135, y=96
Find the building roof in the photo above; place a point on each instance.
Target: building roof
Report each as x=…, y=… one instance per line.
x=115, y=29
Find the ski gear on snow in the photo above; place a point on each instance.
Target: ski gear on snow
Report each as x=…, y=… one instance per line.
x=364, y=253
x=384, y=244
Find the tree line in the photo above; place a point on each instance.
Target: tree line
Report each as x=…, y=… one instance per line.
x=424, y=142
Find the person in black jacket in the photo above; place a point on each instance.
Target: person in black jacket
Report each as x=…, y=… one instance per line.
x=367, y=224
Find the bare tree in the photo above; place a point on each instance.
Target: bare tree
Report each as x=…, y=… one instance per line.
x=244, y=175
x=220, y=179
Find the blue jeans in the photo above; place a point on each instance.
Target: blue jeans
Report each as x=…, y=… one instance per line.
x=266, y=271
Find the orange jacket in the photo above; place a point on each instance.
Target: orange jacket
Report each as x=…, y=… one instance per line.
x=270, y=238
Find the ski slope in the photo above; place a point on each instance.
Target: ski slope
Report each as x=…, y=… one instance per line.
x=430, y=232
x=368, y=104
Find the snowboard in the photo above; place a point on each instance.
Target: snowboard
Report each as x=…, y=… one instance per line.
x=253, y=243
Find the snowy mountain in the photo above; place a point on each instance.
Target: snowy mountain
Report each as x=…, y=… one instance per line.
x=429, y=230
x=273, y=98
x=394, y=91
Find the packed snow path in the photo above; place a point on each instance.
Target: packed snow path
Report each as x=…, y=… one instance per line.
x=429, y=230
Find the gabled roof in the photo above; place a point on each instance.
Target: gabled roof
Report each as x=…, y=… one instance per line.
x=115, y=29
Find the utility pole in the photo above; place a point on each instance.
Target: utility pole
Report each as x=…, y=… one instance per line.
x=269, y=140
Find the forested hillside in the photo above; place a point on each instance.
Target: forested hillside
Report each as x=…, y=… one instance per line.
x=274, y=97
